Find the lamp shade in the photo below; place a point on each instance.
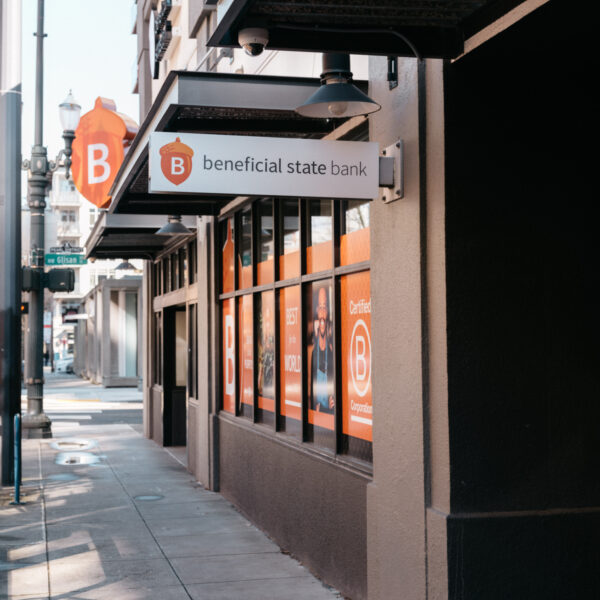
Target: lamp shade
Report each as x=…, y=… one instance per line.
x=174, y=227
x=337, y=100
x=125, y=266
x=69, y=112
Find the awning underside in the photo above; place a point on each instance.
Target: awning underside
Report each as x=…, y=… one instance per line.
x=218, y=104
x=437, y=28
x=130, y=236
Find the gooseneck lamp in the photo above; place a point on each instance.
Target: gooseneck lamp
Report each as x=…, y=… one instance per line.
x=337, y=97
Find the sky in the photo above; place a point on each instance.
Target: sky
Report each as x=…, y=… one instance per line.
x=89, y=49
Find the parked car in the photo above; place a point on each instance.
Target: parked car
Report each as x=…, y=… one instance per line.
x=64, y=365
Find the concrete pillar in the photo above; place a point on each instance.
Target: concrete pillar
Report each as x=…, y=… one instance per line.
x=396, y=545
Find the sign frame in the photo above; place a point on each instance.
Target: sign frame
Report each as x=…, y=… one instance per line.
x=233, y=165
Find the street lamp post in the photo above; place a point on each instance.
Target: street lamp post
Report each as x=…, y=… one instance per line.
x=40, y=170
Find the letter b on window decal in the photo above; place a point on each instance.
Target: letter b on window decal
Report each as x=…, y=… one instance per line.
x=229, y=356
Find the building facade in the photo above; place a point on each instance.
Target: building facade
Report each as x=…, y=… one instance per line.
x=109, y=338
x=400, y=392
x=68, y=222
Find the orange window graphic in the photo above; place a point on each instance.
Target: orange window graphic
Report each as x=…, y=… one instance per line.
x=245, y=251
x=228, y=364
x=357, y=403
x=290, y=336
x=246, y=351
x=355, y=246
x=265, y=263
x=321, y=356
x=266, y=352
x=319, y=254
x=227, y=257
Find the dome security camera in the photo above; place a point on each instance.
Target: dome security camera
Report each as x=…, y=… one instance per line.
x=253, y=40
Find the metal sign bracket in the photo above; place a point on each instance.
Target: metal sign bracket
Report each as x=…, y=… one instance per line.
x=391, y=172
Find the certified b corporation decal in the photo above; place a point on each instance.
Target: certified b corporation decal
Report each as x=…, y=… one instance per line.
x=176, y=161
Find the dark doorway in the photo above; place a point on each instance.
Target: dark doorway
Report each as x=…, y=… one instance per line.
x=175, y=377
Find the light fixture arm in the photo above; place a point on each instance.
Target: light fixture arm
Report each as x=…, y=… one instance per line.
x=336, y=67
x=365, y=31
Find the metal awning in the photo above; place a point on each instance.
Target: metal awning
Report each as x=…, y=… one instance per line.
x=130, y=236
x=437, y=28
x=222, y=103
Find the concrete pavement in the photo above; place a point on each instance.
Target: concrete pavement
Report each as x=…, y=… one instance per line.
x=109, y=514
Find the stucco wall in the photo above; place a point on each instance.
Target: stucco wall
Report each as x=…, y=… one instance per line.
x=396, y=543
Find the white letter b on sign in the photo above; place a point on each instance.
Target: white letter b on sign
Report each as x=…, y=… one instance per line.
x=97, y=155
x=177, y=167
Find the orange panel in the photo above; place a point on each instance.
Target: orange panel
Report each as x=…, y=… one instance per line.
x=264, y=271
x=289, y=265
x=355, y=247
x=228, y=356
x=290, y=346
x=319, y=257
x=246, y=350
x=357, y=402
x=227, y=259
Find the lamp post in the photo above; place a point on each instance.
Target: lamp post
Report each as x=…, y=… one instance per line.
x=40, y=169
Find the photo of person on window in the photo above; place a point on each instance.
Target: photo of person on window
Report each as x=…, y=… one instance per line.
x=321, y=387
x=266, y=354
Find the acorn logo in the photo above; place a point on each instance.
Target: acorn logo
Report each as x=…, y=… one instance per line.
x=176, y=161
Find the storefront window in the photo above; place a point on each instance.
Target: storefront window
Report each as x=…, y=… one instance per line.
x=357, y=402
x=319, y=253
x=289, y=239
x=157, y=278
x=355, y=240
x=302, y=343
x=227, y=255
x=183, y=267
x=193, y=260
x=245, y=250
x=290, y=364
x=193, y=350
x=174, y=272
x=265, y=386
x=157, y=362
x=181, y=349
x=320, y=372
x=266, y=250
x=246, y=355
x=166, y=270
x=228, y=355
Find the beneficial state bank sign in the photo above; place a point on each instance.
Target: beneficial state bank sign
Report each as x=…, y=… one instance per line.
x=263, y=166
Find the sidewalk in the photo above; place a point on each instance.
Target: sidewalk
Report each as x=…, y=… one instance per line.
x=109, y=514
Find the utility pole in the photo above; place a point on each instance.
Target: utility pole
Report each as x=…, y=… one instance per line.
x=10, y=229
x=36, y=422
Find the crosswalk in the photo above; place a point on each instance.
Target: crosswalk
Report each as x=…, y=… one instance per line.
x=84, y=411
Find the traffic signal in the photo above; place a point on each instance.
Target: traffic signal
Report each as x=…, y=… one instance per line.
x=24, y=308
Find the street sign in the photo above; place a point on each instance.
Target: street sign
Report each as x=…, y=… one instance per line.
x=65, y=259
x=66, y=249
x=263, y=166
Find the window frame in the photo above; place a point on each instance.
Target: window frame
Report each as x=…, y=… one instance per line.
x=340, y=450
